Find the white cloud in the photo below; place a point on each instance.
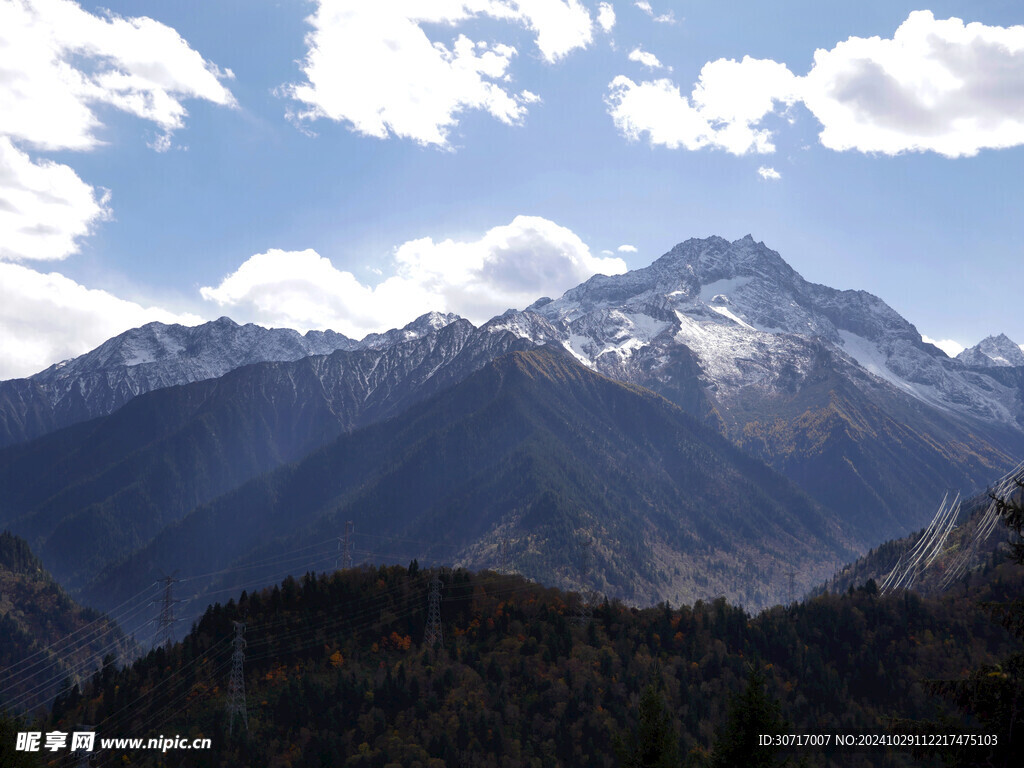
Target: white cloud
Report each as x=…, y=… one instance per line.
x=644, y=6
x=935, y=86
x=950, y=347
x=606, y=16
x=626, y=249
x=727, y=103
x=939, y=86
x=666, y=18
x=45, y=318
x=769, y=174
x=646, y=58
x=510, y=266
x=372, y=66
x=45, y=208
x=57, y=61
x=561, y=25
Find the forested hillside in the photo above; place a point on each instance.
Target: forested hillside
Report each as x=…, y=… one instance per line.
x=336, y=673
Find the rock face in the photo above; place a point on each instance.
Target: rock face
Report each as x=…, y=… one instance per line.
x=994, y=351
x=89, y=493
x=536, y=449
x=834, y=388
x=157, y=356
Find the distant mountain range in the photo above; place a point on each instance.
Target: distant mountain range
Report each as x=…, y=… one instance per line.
x=164, y=431
x=591, y=483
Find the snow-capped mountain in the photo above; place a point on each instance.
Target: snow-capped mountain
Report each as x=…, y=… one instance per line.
x=157, y=356
x=754, y=323
x=834, y=388
x=993, y=351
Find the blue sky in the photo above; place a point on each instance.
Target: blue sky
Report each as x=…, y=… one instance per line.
x=351, y=165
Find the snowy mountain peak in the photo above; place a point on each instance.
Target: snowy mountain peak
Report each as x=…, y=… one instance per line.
x=752, y=321
x=421, y=326
x=994, y=351
x=715, y=258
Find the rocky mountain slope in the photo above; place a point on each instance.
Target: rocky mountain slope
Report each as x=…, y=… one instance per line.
x=93, y=492
x=832, y=387
x=998, y=351
x=590, y=482
x=47, y=641
x=157, y=356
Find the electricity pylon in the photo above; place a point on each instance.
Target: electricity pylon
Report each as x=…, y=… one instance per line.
x=236, y=683
x=165, y=624
x=433, y=634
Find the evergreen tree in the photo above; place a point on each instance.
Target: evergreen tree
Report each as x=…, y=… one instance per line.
x=995, y=694
x=751, y=714
x=654, y=745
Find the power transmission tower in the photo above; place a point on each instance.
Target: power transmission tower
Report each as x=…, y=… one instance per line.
x=165, y=624
x=236, y=683
x=581, y=614
x=503, y=556
x=433, y=634
x=344, y=560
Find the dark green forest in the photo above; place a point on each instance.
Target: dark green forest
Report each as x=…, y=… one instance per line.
x=336, y=674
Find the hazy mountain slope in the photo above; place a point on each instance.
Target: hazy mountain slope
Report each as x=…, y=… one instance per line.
x=141, y=360
x=91, y=493
x=831, y=387
x=539, y=450
x=45, y=637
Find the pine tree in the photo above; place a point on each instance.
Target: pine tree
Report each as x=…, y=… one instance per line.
x=995, y=694
x=654, y=745
x=751, y=714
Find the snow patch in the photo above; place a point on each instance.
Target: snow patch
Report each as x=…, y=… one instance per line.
x=875, y=361
x=724, y=312
x=724, y=287
x=575, y=345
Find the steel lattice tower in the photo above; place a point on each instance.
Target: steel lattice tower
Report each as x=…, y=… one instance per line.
x=236, y=683
x=581, y=614
x=345, y=547
x=503, y=556
x=165, y=624
x=433, y=635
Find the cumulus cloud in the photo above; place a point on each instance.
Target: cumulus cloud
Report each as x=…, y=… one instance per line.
x=769, y=174
x=939, y=86
x=644, y=6
x=625, y=248
x=950, y=347
x=58, y=61
x=646, y=58
x=936, y=86
x=372, y=66
x=45, y=318
x=510, y=266
x=606, y=16
x=45, y=208
x=724, y=109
